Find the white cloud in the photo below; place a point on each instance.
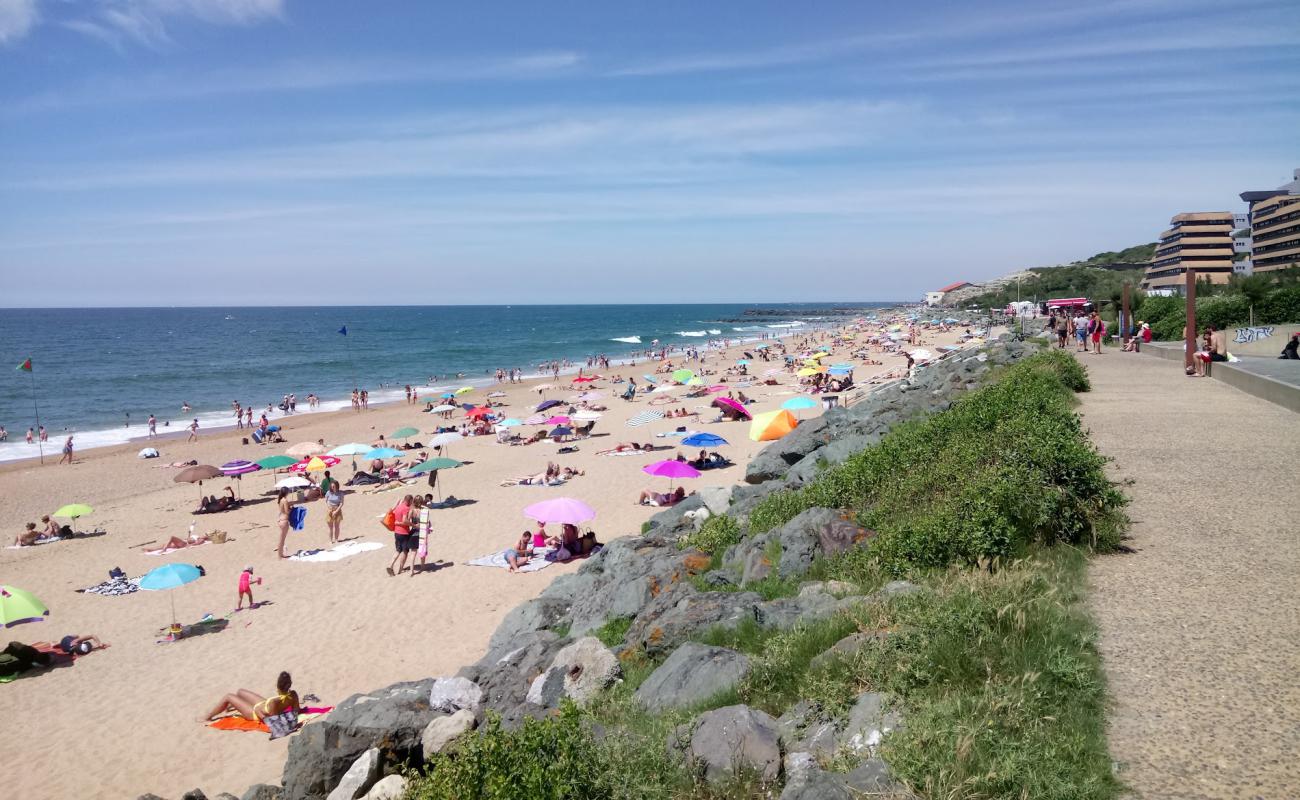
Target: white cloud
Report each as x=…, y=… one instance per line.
x=144, y=22
x=16, y=18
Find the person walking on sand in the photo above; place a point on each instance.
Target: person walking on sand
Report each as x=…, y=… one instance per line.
x=282, y=519
x=334, y=511
x=67, y=451
x=246, y=581
x=401, y=535
x=194, y=431
x=421, y=534
x=153, y=427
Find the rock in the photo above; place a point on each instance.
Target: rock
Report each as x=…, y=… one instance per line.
x=868, y=723
x=453, y=694
x=736, y=737
x=392, y=718
x=675, y=615
x=805, y=728
x=755, y=564
x=871, y=776
x=805, y=780
x=262, y=791
x=194, y=794
x=717, y=499
x=442, y=731
x=843, y=448
x=845, y=648
x=150, y=796
x=832, y=588
x=692, y=674
x=900, y=587
x=588, y=666
x=547, y=689
x=719, y=577
x=390, y=788
x=504, y=674
x=533, y=615
x=225, y=796
x=786, y=612
x=359, y=778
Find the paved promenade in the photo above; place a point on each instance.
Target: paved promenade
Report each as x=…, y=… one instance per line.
x=1201, y=624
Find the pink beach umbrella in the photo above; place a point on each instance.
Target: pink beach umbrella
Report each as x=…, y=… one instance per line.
x=558, y=419
x=671, y=469
x=561, y=510
x=735, y=405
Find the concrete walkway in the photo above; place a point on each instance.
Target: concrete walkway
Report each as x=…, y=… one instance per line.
x=1200, y=627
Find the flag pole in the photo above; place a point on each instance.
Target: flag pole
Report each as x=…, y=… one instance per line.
x=35, y=407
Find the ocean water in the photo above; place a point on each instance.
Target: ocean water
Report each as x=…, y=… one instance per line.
x=94, y=367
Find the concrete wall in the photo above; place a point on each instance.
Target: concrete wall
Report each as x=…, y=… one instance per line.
x=1260, y=340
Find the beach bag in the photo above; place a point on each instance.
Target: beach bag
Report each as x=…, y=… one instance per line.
x=297, y=517
x=390, y=520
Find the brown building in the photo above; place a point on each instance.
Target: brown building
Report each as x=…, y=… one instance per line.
x=1201, y=241
x=1275, y=233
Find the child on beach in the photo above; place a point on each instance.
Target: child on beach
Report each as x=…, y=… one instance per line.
x=246, y=581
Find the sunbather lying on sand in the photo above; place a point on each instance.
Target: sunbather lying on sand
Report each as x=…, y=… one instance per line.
x=626, y=447
x=661, y=499
x=72, y=644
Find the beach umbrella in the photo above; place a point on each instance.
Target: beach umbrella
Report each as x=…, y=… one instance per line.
x=808, y=371
x=467, y=406
x=382, y=453
x=510, y=422
x=543, y=387
x=683, y=375
x=435, y=464
x=704, y=440
x=726, y=403
x=446, y=395
x=548, y=404
x=442, y=408
x=478, y=412
x=169, y=576
x=696, y=381
x=717, y=388
x=351, y=449
x=19, y=605
x=561, y=430
x=558, y=419
x=536, y=419
x=561, y=510
x=740, y=362
x=239, y=467
x=645, y=418
x=73, y=510
x=671, y=469
x=444, y=439
x=761, y=346
x=315, y=464
x=650, y=378
x=464, y=389
x=840, y=370
x=772, y=425
x=197, y=474
x=405, y=433
x=293, y=482
x=586, y=415
x=667, y=387
x=582, y=379
x=305, y=449
x=799, y=403
x=276, y=462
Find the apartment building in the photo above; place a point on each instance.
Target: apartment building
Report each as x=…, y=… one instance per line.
x=1199, y=240
x=1274, y=220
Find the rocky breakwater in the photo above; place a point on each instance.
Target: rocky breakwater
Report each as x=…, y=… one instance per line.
x=666, y=595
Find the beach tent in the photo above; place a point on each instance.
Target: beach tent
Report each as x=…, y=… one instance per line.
x=772, y=425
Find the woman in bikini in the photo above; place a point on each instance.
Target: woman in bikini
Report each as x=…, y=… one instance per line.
x=282, y=521
x=251, y=705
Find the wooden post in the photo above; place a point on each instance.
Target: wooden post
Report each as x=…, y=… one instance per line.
x=1125, y=324
x=1189, y=344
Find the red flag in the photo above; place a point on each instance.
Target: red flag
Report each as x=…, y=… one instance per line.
x=26, y=366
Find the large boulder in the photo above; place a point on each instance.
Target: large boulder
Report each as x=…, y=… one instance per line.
x=717, y=499
x=736, y=738
x=692, y=674
x=506, y=672
x=448, y=695
x=363, y=774
x=805, y=780
x=390, y=788
x=262, y=791
x=805, y=727
x=391, y=719
x=676, y=615
x=532, y=615
x=442, y=731
x=786, y=612
x=580, y=670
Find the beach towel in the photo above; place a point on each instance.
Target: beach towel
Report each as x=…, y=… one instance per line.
x=114, y=587
x=46, y=540
x=336, y=553
x=238, y=723
x=498, y=560
x=297, y=517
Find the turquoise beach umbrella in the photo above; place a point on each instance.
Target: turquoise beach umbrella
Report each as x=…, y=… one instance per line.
x=382, y=453
x=169, y=576
x=799, y=403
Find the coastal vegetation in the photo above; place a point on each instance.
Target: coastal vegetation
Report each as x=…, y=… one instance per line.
x=1267, y=298
x=989, y=510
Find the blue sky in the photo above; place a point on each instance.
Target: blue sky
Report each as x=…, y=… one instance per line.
x=203, y=152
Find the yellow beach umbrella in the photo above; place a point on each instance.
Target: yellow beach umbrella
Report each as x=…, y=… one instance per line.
x=464, y=389
x=772, y=425
x=315, y=465
x=806, y=371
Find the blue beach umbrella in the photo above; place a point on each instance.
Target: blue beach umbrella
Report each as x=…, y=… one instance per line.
x=742, y=361
x=704, y=440
x=510, y=422
x=840, y=370
x=798, y=403
x=382, y=453
x=650, y=378
x=169, y=576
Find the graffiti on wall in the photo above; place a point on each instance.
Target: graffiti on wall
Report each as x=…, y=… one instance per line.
x=1255, y=334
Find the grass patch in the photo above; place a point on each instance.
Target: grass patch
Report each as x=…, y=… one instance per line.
x=715, y=535
x=612, y=632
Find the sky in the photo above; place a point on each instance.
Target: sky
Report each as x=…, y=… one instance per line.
x=286, y=152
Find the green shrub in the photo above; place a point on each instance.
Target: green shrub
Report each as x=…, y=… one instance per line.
x=714, y=536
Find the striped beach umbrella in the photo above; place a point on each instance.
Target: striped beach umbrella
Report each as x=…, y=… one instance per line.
x=239, y=467
x=645, y=418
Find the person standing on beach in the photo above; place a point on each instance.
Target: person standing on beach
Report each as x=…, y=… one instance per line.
x=334, y=511
x=45, y=437
x=67, y=451
x=29, y=435
x=282, y=520
x=194, y=431
x=4, y=434
x=248, y=411
x=401, y=535
x=153, y=427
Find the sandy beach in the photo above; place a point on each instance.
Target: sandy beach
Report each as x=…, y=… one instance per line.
x=129, y=715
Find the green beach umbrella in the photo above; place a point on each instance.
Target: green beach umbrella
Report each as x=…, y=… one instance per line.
x=19, y=605
x=696, y=381
x=405, y=433
x=74, y=510
x=276, y=462
x=435, y=464
x=683, y=375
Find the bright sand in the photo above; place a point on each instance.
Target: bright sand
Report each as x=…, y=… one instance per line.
x=125, y=720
